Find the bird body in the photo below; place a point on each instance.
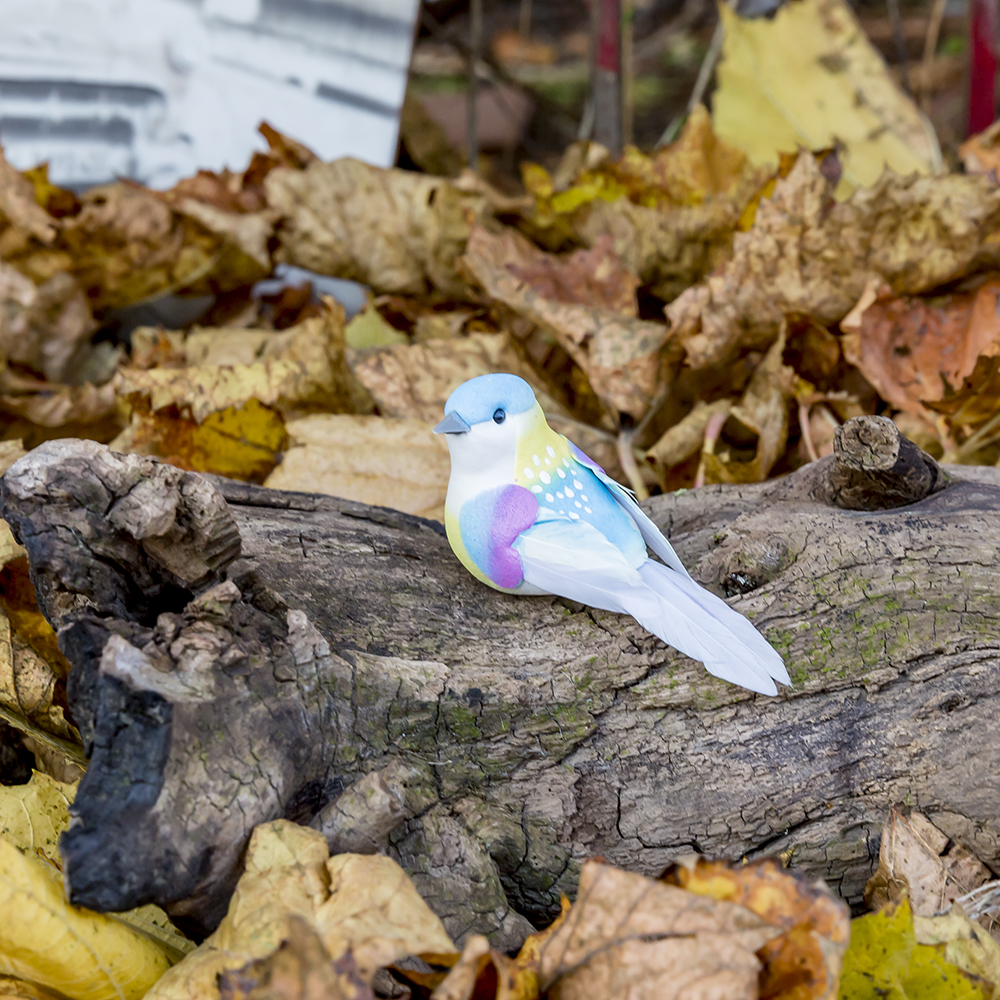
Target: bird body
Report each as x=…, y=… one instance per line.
x=527, y=512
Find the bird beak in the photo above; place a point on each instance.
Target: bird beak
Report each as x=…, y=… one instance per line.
x=452, y=424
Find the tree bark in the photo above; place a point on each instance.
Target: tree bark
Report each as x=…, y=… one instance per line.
x=342, y=668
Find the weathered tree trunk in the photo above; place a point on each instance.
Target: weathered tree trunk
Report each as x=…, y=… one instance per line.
x=498, y=741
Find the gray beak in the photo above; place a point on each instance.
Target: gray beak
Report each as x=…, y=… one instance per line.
x=452, y=424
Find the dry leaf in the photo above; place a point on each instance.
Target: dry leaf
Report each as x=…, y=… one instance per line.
x=49, y=404
x=127, y=245
x=623, y=357
x=385, y=461
x=483, y=973
x=762, y=410
x=807, y=255
x=627, y=935
x=18, y=204
x=980, y=153
x=393, y=230
x=81, y=954
x=368, y=329
x=415, y=380
x=685, y=438
x=362, y=905
x=292, y=370
x=808, y=77
x=802, y=963
x=18, y=989
x=885, y=960
x=915, y=350
x=299, y=970
x=915, y=860
x=966, y=944
x=32, y=816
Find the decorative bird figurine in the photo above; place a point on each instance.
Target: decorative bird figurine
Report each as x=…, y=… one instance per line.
x=527, y=512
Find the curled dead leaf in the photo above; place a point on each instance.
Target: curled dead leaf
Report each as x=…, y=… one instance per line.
x=79, y=953
x=919, y=861
x=361, y=905
x=623, y=357
x=393, y=230
x=628, y=935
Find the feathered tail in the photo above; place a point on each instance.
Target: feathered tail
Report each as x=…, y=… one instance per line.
x=705, y=628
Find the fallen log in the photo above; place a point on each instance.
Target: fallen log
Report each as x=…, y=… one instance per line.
x=241, y=654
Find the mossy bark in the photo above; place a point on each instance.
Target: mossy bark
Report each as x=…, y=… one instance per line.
x=346, y=670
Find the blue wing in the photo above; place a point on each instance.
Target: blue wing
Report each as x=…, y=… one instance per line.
x=574, y=560
x=625, y=499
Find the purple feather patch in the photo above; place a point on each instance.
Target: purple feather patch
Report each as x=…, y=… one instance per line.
x=584, y=459
x=489, y=523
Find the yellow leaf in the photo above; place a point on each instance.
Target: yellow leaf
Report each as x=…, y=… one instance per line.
x=884, y=962
x=81, y=954
x=359, y=904
x=809, y=78
x=385, y=461
x=32, y=816
x=966, y=944
x=369, y=329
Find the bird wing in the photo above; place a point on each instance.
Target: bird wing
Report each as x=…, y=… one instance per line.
x=574, y=560
x=625, y=499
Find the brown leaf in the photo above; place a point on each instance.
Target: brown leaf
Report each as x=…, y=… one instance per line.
x=385, y=461
x=685, y=438
x=393, y=230
x=415, y=380
x=763, y=410
x=294, y=370
x=802, y=963
x=299, y=970
x=806, y=254
x=127, y=245
x=52, y=405
x=627, y=935
x=915, y=860
x=18, y=204
x=915, y=350
x=980, y=153
x=624, y=358
x=45, y=328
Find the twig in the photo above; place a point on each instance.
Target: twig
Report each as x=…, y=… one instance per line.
x=524, y=19
x=900, y=41
x=700, y=85
x=475, y=54
x=712, y=431
x=930, y=49
x=807, y=440
x=626, y=455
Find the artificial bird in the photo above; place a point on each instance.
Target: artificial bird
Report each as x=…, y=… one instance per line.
x=527, y=512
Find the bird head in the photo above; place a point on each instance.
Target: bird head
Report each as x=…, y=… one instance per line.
x=484, y=419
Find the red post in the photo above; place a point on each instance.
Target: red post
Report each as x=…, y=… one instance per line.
x=982, y=64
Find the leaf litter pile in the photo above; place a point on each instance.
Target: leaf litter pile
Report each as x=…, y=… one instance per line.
x=708, y=313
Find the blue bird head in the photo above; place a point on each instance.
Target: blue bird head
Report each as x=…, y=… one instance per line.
x=487, y=397
x=484, y=419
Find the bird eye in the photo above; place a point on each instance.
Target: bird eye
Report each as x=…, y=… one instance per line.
x=499, y=416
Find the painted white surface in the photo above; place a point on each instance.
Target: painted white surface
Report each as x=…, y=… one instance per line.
x=155, y=89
